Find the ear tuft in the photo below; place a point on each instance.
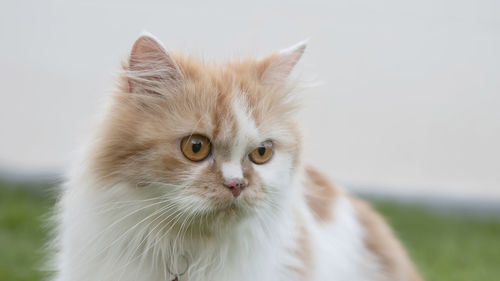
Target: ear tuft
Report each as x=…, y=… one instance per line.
x=150, y=66
x=279, y=66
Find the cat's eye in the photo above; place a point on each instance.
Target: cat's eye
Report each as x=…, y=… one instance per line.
x=263, y=153
x=196, y=147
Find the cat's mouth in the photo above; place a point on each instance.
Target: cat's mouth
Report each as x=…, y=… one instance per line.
x=232, y=207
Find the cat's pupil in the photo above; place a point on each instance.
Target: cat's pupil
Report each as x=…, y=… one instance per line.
x=196, y=146
x=261, y=150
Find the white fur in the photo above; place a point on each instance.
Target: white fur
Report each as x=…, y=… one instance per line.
x=344, y=252
x=247, y=131
x=116, y=231
x=294, y=48
x=231, y=170
x=98, y=245
x=247, y=127
x=103, y=230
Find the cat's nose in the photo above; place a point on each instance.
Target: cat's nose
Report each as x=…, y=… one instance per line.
x=236, y=186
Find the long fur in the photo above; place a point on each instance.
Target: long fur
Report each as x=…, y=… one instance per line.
x=136, y=209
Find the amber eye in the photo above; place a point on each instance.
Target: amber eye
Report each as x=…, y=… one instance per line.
x=263, y=153
x=195, y=147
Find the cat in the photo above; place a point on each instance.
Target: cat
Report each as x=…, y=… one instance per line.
x=196, y=173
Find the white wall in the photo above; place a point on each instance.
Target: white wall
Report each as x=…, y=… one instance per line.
x=409, y=100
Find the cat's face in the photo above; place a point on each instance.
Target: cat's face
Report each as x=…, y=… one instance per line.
x=213, y=138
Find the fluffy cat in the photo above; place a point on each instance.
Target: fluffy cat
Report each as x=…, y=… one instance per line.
x=195, y=173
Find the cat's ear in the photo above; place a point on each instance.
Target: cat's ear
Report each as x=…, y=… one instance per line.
x=151, y=68
x=277, y=67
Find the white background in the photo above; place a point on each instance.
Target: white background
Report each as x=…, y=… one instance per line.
x=408, y=99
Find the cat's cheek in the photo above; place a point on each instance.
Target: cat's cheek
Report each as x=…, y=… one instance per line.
x=276, y=173
x=206, y=185
x=213, y=195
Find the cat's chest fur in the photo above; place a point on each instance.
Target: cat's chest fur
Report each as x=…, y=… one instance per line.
x=293, y=245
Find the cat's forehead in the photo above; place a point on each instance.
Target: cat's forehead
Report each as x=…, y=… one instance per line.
x=237, y=125
x=227, y=95
x=228, y=103
x=226, y=119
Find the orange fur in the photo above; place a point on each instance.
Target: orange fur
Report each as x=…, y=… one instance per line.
x=320, y=194
x=303, y=251
x=380, y=240
x=140, y=137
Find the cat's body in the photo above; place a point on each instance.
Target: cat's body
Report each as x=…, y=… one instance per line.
x=236, y=203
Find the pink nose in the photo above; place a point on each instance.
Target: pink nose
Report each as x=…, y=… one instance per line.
x=235, y=186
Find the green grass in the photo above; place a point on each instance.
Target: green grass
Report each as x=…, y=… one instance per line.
x=22, y=235
x=446, y=246
x=454, y=246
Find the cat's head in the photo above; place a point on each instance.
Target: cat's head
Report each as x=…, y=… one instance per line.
x=214, y=138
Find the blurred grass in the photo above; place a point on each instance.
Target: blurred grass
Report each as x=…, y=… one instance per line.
x=22, y=236
x=22, y=216
x=447, y=246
